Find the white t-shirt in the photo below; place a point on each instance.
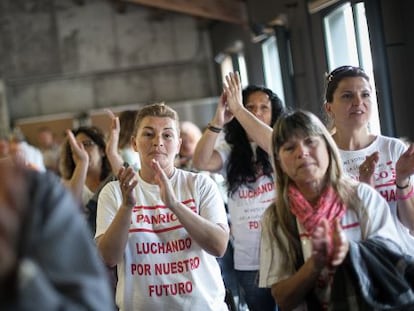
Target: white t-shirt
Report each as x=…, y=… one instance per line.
x=357, y=226
x=246, y=207
x=87, y=194
x=163, y=267
x=390, y=149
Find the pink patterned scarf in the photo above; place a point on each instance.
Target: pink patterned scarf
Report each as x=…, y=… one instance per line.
x=329, y=206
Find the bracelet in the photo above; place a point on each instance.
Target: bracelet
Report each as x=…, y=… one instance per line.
x=404, y=187
x=407, y=196
x=214, y=128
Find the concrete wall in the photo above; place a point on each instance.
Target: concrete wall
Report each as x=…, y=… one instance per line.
x=390, y=24
x=58, y=57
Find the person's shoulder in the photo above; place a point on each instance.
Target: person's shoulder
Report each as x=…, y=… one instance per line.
x=110, y=185
x=186, y=174
x=46, y=179
x=363, y=187
x=390, y=141
x=367, y=193
x=46, y=191
x=196, y=177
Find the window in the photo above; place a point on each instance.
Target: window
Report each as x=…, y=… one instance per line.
x=232, y=59
x=242, y=70
x=347, y=43
x=272, y=70
x=226, y=66
x=233, y=62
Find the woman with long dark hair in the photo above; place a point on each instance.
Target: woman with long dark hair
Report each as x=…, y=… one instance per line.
x=84, y=167
x=250, y=183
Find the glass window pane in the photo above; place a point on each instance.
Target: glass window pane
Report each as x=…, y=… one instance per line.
x=272, y=71
x=243, y=70
x=366, y=61
x=347, y=43
x=340, y=37
x=226, y=67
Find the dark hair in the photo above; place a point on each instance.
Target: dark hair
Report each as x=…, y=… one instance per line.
x=68, y=165
x=337, y=75
x=242, y=168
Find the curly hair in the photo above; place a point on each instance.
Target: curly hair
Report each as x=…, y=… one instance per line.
x=67, y=165
x=242, y=167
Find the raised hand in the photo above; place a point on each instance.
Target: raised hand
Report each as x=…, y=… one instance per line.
x=79, y=154
x=233, y=90
x=223, y=114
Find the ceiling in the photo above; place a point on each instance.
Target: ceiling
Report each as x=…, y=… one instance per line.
x=231, y=11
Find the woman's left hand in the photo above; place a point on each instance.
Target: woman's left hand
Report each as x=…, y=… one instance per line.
x=340, y=245
x=79, y=154
x=166, y=190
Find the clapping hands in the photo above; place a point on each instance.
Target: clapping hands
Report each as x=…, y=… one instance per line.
x=329, y=246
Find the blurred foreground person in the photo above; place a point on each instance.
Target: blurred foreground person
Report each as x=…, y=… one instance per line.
x=4, y=146
x=48, y=260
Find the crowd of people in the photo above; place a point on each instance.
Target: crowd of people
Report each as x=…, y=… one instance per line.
x=313, y=216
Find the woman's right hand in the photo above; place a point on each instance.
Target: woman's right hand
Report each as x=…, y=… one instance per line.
x=320, y=245
x=127, y=182
x=79, y=154
x=233, y=90
x=367, y=169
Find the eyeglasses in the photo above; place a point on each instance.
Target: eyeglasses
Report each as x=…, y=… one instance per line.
x=88, y=143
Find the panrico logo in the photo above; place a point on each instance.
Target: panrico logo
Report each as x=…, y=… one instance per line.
x=157, y=219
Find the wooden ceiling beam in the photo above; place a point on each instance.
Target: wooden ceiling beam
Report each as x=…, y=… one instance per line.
x=232, y=11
